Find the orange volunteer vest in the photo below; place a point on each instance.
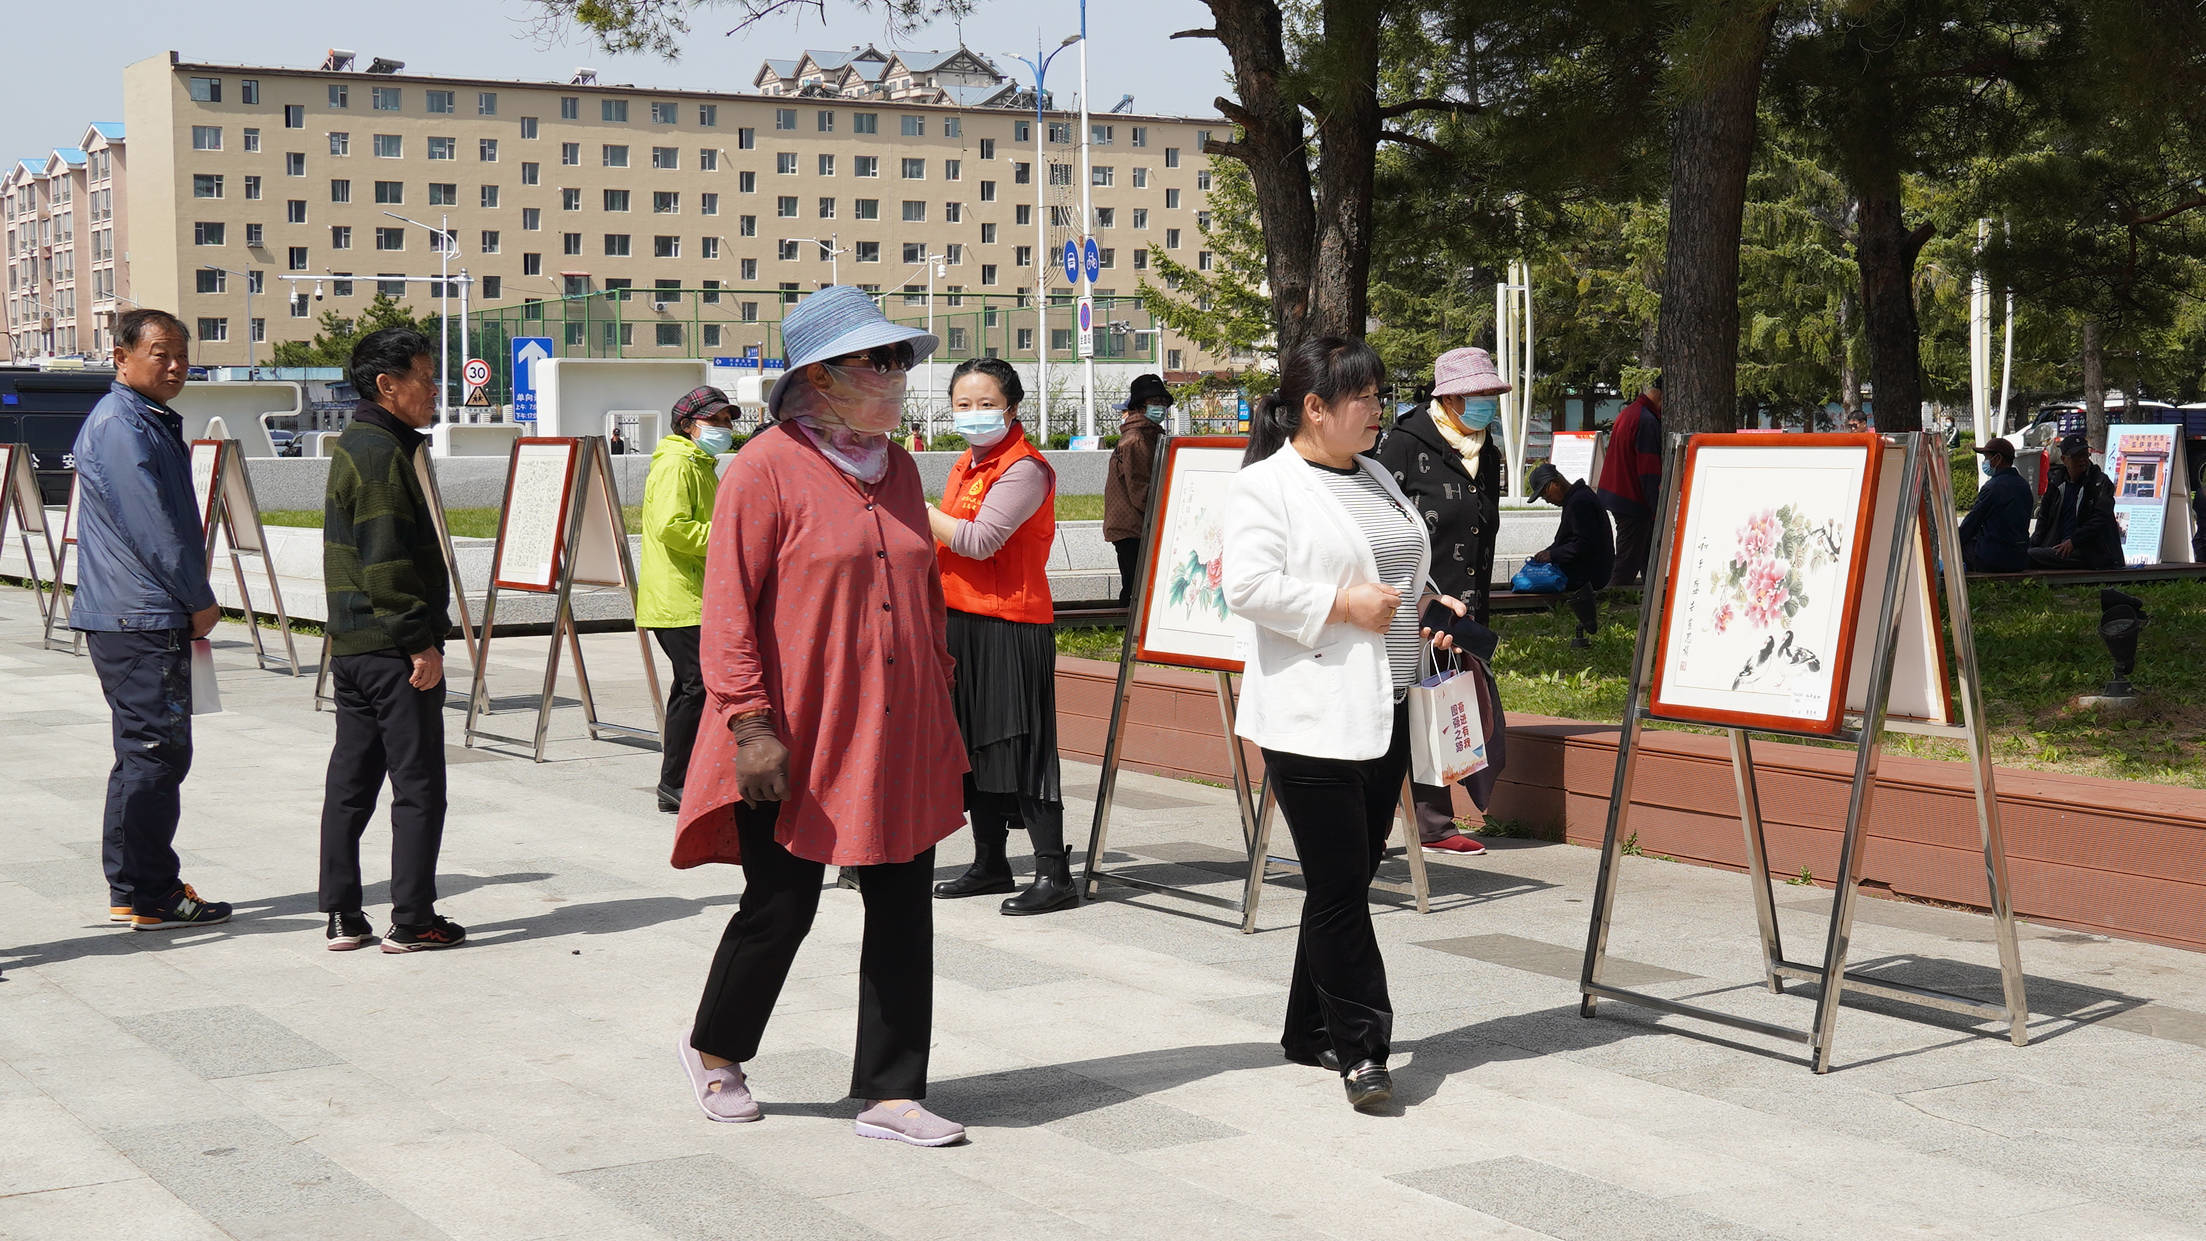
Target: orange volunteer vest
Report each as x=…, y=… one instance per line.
x=1013, y=584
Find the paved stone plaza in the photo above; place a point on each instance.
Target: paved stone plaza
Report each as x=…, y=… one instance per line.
x=1117, y=1064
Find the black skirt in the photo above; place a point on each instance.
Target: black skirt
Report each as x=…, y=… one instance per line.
x=1006, y=701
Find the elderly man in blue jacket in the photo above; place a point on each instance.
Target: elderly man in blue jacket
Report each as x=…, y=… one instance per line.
x=142, y=598
x=1995, y=536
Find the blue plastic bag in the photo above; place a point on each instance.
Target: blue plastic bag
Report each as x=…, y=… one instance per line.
x=1539, y=578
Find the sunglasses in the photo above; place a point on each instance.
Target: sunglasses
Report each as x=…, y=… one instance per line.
x=884, y=358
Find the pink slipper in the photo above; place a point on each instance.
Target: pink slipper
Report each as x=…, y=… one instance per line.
x=909, y=1123
x=732, y=1101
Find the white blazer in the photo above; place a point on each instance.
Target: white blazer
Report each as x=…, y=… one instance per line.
x=1308, y=687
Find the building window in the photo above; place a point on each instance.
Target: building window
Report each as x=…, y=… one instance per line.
x=865, y=209
x=1202, y=179
x=528, y=128
x=988, y=234
x=615, y=156
x=953, y=127
x=1202, y=221
x=1060, y=174
x=785, y=206
x=390, y=239
x=827, y=165
x=490, y=197
x=915, y=211
x=532, y=173
x=439, y=101
x=746, y=226
x=340, y=96
x=746, y=183
x=486, y=150
x=570, y=199
x=666, y=202
x=390, y=146
x=668, y=334
x=1171, y=157
x=213, y=280
x=1171, y=200
x=915, y=252
x=207, y=233
x=444, y=194
x=869, y=252
x=953, y=213
x=952, y=169
x=1106, y=257
x=294, y=116
x=214, y=330
x=1141, y=260
x=295, y=258
x=865, y=166
x=1023, y=214
x=915, y=126
x=206, y=90
x=1022, y=256
x=825, y=121
x=490, y=241
x=665, y=247
x=708, y=204
x=385, y=98
x=710, y=247
x=787, y=251
x=750, y=269
x=785, y=118
x=206, y=185
x=1100, y=174
x=340, y=237
x=532, y=219
x=570, y=243
x=746, y=138
x=1022, y=173
x=294, y=163
x=340, y=143
x=708, y=159
x=785, y=162
x=570, y=154
x=1025, y=340
x=253, y=238
x=1106, y=217
x=1171, y=239
x=340, y=191
x=1101, y=135
x=206, y=137
x=613, y=110
x=615, y=200
x=532, y=264
x=988, y=148
x=708, y=114
x=444, y=148
x=294, y=211
x=988, y=191
x=915, y=170
x=616, y=245
x=570, y=108
x=865, y=122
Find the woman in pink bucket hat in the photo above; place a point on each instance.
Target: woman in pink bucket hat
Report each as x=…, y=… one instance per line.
x=1443, y=455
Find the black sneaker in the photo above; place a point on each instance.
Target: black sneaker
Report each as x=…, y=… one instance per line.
x=348, y=931
x=183, y=908
x=440, y=932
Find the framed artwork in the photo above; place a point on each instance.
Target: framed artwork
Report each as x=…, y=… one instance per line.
x=1184, y=620
x=206, y=466
x=1765, y=580
x=539, y=486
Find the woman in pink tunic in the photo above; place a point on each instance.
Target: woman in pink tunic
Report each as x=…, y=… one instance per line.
x=829, y=735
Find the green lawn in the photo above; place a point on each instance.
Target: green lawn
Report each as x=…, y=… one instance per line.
x=2039, y=649
x=466, y=523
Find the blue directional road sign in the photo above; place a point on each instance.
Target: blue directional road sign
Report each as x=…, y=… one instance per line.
x=1094, y=260
x=527, y=352
x=1072, y=262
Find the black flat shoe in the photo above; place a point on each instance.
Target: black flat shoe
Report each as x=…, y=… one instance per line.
x=670, y=800
x=1328, y=1059
x=1368, y=1084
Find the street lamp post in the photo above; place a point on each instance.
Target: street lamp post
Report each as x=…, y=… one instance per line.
x=1039, y=67
x=1086, y=349
x=835, y=254
x=446, y=248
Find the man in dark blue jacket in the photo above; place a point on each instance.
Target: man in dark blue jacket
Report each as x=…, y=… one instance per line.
x=2076, y=527
x=142, y=598
x=1995, y=536
x=1584, y=548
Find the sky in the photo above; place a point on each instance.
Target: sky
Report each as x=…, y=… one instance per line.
x=47, y=100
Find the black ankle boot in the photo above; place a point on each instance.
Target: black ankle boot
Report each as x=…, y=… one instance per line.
x=990, y=872
x=1052, y=888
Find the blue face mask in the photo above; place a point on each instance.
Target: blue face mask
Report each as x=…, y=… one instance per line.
x=1157, y=413
x=1479, y=412
x=980, y=427
x=716, y=440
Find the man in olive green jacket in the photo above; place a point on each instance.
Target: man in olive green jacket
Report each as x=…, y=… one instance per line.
x=677, y=523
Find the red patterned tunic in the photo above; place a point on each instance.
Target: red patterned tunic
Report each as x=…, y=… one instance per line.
x=823, y=604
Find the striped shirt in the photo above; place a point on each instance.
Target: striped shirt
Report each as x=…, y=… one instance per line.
x=1398, y=543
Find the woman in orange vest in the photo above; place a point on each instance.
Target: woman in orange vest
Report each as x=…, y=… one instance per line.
x=993, y=530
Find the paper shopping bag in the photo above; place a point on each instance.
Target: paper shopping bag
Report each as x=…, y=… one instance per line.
x=1447, y=738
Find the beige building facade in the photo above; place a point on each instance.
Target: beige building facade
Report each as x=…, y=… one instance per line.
x=240, y=176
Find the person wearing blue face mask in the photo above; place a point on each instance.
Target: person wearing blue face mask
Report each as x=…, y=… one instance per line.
x=1126, y=492
x=1445, y=456
x=677, y=523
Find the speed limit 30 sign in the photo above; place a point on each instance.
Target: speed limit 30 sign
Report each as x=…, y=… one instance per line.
x=476, y=372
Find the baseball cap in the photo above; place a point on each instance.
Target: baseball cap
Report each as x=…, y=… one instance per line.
x=2074, y=444
x=1997, y=448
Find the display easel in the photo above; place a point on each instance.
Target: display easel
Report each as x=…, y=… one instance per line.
x=20, y=502
x=227, y=509
x=1253, y=804
x=64, y=598
x=1903, y=630
x=561, y=527
x=426, y=471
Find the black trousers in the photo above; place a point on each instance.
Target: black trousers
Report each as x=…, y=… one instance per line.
x=685, y=705
x=1435, y=811
x=385, y=727
x=146, y=677
x=781, y=892
x=1340, y=814
x=993, y=815
x=1129, y=563
x=1634, y=536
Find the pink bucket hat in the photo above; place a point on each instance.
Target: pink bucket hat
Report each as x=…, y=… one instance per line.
x=1466, y=372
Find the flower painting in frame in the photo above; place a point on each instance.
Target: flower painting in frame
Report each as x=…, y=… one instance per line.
x=1183, y=617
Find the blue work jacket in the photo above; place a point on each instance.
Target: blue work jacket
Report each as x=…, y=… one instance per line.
x=141, y=553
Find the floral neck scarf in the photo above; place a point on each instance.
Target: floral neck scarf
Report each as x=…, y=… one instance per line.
x=863, y=456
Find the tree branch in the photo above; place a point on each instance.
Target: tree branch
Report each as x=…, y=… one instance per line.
x=1395, y=135
x=1917, y=240
x=2160, y=217
x=1192, y=34
x=1460, y=107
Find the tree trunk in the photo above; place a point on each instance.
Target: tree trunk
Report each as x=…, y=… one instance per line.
x=1347, y=127
x=1849, y=378
x=1885, y=251
x=2094, y=387
x=1272, y=146
x=1711, y=148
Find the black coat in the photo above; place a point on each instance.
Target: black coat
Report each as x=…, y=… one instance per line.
x=1584, y=547
x=1463, y=513
x=2097, y=538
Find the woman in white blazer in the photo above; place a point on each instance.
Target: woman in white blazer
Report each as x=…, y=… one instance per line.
x=1326, y=560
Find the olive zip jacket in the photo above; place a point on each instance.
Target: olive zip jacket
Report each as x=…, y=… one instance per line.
x=677, y=523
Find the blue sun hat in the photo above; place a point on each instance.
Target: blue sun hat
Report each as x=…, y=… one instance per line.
x=835, y=321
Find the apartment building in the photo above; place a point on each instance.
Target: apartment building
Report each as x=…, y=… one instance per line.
x=242, y=175
x=58, y=213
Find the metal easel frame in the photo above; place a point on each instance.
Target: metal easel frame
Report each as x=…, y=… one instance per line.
x=19, y=484
x=426, y=471
x=223, y=520
x=1254, y=805
x=593, y=468
x=1916, y=494
x=64, y=598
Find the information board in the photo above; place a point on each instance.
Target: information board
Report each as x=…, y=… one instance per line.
x=539, y=485
x=1578, y=455
x=2147, y=474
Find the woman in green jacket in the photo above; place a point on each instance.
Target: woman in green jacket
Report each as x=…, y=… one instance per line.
x=677, y=522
